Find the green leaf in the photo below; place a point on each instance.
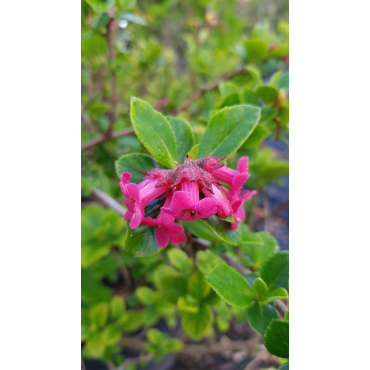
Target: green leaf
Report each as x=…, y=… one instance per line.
x=207, y=260
x=134, y=163
x=197, y=286
x=180, y=260
x=141, y=241
x=117, y=306
x=212, y=298
x=227, y=130
x=162, y=271
x=133, y=18
x=228, y=88
x=99, y=314
x=199, y=229
x=156, y=336
x=145, y=295
x=284, y=367
x=259, y=317
x=155, y=132
x=275, y=271
x=256, y=138
x=215, y=226
x=256, y=49
x=286, y=316
x=172, y=287
x=260, y=287
x=96, y=344
x=195, y=324
x=267, y=93
x=187, y=304
x=231, y=286
x=184, y=137
x=260, y=245
x=194, y=151
x=112, y=334
x=229, y=101
x=279, y=293
x=249, y=97
x=283, y=82
x=133, y=321
x=276, y=338
x=280, y=52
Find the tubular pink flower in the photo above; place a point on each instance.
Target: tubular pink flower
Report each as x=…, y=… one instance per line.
x=224, y=209
x=185, y=204
x=237, y=205
x=234, y=178
x=167, y=230
x=139, y=195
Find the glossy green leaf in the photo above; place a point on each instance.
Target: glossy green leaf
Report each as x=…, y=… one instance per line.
x=207, y=260
x=133, y=18
x=227, y=130
x=172, y=287
x=280, y=51
x=134, y=163
x=260, y=245
x=275, y=271
x=195, y=324
x=259, y=317
x=154, y=131
x=260, y=287
x=215, y=226
x=199, y=229
x=184, y=137
x=286, y=316
x=229, y=101
x=267, y=93
x=276, y=338
x=256, y=49
x=279, y=293
x=197, y=285
x=231, y=286
x=99, y=314
x=212, y=298
x=96, y=344
x=141, y=241
x=194, y=151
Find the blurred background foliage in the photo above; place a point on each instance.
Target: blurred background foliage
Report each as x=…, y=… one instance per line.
x=187, y=58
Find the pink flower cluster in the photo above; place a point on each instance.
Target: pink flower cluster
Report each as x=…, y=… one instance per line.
x=192, y=190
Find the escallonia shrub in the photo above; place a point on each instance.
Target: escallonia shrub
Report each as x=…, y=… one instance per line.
x=192, y=191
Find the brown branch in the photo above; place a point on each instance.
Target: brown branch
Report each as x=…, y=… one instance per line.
x=224, y=345
x=106, y=137
x=281, y=307
x=185, y=105
x=199, y=93
x=109, y=201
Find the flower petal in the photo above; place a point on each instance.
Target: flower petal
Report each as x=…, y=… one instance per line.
x=207, y=207
x=162, y=236
x=243, y=164
x=177, y=238
x=181, y=201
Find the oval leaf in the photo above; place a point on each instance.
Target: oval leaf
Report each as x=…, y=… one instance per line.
x=259, y=317
x=184, y=137
x=155, y=132
x=275, y=271
x=134, y=163
x=195, y=324
x=141, y=241
x=231, y=286
x=276, y=338
x=227, y=130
